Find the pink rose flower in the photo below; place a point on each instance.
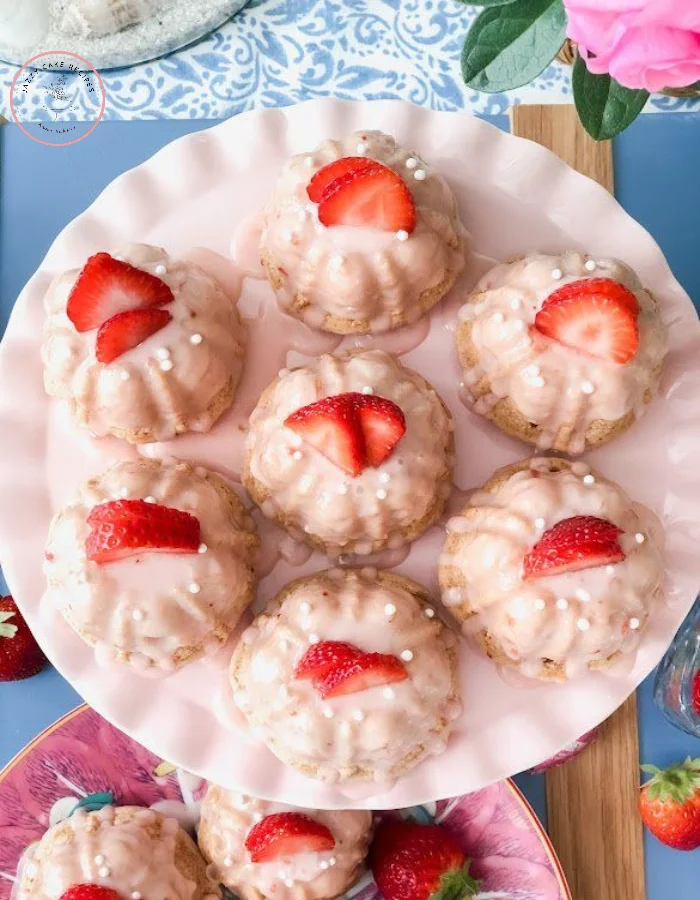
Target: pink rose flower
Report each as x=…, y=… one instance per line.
x=652, y=44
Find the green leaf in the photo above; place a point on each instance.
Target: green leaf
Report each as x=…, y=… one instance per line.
x=604, y=106
x=508, y=46
x=488, y=2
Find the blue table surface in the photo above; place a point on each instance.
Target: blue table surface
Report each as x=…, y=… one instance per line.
x=42, y=189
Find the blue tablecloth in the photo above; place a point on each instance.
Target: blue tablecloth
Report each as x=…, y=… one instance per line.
x=41, y=189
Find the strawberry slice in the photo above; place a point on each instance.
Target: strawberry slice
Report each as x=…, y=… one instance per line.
x=580, y=542
x=324, y=179
x=320, y=658
x=375, y=196
x=354, y=675
x=286, y=834
x=383, y=425
x=122, y=528
x=353, y=430
x=20, y=655
x=127, y=330
x=696, y=692
x=595, y=316
x=107, y=286
x=90, y=892
x=332, y=426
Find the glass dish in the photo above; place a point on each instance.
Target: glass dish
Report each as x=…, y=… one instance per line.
x=673, y=687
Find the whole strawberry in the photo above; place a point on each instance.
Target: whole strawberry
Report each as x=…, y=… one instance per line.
x=419, y=862
x=670, y=804
x=20, y=655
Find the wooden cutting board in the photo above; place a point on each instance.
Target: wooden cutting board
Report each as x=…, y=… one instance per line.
x=592, y=800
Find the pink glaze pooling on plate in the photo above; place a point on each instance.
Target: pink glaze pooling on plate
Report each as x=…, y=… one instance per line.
x=577, y=617
x=550, y=384
x=358, y=272
x=166, y=384
x=84, y=755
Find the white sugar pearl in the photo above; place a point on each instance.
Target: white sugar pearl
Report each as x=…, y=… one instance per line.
x=194, y=588
x=163, y=353
x=515, y=303
x=562, y=603
x=411, y=163
x=196, y=338
x=99, y=860
x=557, y=274
x=639, y=537
x=388, y=693
x=362, y=147
x=634, y=623
x=314, y=639
x=166, y=365
x=328, y=712
x=305, y=607
x=588, y=479
x=589, y=265
x=202, y=548
x=124, y=375
x=539, y=603
x=149, y=499
x=288, y=882
x=385, y=478
x=583, y=595
x=343, y=489
x=587, y=387
x=420, y=174
x=297, y=454
x=228, y=861
x=390, y=609
x=332, y=861
x=610, y=570
x=136, y=895
x=406, y=655
x=539, y=522
x=583, y=624
x=367, y=389
x=430, y=612
x=323, y=865
x=123, y=492
x=137, y=615
x=358, y=715
x=519, y=325
x=381, y=494
x=160, y=269
x=401, y=235
x=104, y=872
x=498, y=317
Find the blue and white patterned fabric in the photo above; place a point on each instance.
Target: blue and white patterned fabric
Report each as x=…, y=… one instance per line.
x=279, y=52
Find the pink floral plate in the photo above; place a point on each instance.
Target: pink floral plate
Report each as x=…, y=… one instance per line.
x=81, y=761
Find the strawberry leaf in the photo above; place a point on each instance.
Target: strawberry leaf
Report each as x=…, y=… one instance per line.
x=7, y=629
x=509, y=45
x=604, y=106
x=487, y=2
x=456, y=885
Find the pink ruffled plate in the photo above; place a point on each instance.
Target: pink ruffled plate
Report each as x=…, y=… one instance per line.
x=514, y=196
x=81, y=759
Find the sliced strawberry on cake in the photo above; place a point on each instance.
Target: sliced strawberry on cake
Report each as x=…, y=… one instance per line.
x=580, y=542
x=127, y=330
x=107, y=286
x=122, y=528
x=366, y=671
x=596, y=316
x=325, y=178
x=374, y=196
x=286, y=834
x=353, y=430
x=320, y=658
